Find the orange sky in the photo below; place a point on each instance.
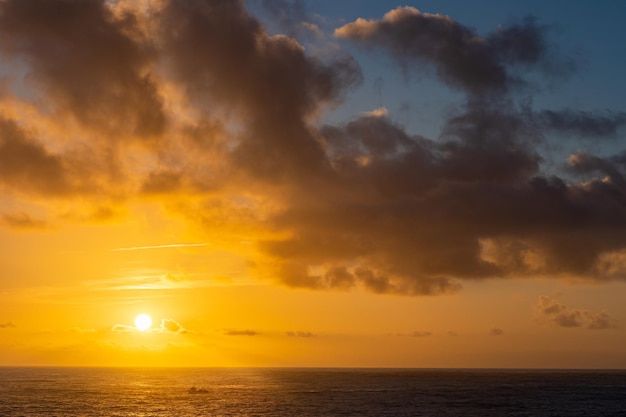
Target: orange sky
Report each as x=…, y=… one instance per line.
x=176, y=158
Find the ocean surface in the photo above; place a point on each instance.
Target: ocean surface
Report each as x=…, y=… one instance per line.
x=309, y=392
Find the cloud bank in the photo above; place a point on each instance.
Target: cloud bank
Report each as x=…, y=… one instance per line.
x=552, y=312
x=194, y=102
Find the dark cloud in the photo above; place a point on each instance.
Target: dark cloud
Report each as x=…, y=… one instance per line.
x=162, y=182
x=368, y=205
x=223, y=55
x=553, y=312
x=461, y=57
x=409, y=215
x=241, y=333
x=27, y=165
x=31, y=165
x=586, y=164
x=241, y=152
x=496, y=331
x=583, y=124
x=89, y=59
x=6, y=325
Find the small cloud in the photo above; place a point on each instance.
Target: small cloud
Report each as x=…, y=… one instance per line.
x=23, y=221
x=241, y=333
x=6, y=325
x=167, y=246
x=379, y=112
x=313, y=29
x=175, y=278
x=451, y=333
x=601, y=320
x=171, y=325
x=421, y=334
x=301, y=334
x=123, y=328
x=548, y=310
x=496, y=331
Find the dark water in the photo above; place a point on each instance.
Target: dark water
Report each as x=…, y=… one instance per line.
x=309, y=392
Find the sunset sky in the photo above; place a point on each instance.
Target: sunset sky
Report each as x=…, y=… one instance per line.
x=340, y=183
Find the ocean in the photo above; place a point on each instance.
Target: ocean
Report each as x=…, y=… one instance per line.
x=146, y=392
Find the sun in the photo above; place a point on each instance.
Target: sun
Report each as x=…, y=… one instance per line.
x=143, y=322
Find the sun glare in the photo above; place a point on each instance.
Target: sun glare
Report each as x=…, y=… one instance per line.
x=143, y=322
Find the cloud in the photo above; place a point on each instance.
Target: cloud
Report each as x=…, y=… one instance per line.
x=25, y=164
x=166, y=326
x=292, y=17
x=583, y=124
x=241, y=333
x=461, y=57
x=92, y=61
x=23, y=221
x=196, y=107
x=7, y=325
x=171, y=325
x=175, y=278
x=410, y=215
x=496, y=331
x=168, y=246
x=242, y=69
x=552, y=312
x=379, y=112
x=123, y=328
x=300, y=334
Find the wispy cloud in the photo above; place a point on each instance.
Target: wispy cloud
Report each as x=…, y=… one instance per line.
x=124, y=328
x=6, y=325
x=246, y=332
x=168, y=246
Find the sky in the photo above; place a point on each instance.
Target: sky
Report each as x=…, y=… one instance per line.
x=432, y=184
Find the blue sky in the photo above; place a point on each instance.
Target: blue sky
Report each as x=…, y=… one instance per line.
x=590, y=33
x=586, y=35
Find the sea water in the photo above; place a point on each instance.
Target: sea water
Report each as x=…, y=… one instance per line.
x=309, y=392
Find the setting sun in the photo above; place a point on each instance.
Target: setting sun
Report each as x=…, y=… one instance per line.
x=143, y=322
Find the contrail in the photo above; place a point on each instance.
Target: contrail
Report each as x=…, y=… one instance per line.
x=172, y=245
